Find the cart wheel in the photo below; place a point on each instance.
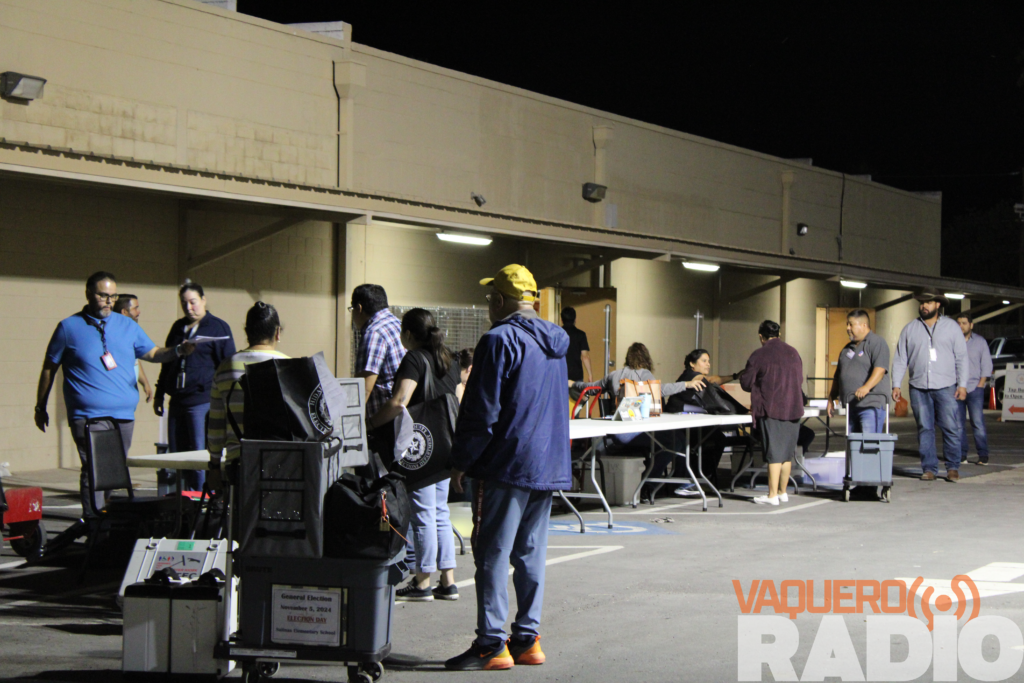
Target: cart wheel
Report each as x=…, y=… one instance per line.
x=887, y=494
x=374, y=669
x=267, y=669
x=251, y=674
x=846, y=495
x=32, y=545
x=358, y=676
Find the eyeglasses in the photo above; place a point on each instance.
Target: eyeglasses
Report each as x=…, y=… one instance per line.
x=105, y=296
x=490, y=297
x=351, y=308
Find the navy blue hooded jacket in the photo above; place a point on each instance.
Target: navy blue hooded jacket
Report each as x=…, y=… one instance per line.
x=513, y=423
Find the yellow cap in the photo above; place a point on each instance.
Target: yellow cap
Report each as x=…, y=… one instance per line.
x=514, y=281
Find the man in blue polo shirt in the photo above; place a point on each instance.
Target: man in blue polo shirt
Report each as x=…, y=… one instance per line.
x=97, y=351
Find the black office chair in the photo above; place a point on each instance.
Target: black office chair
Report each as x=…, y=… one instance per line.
x=750, y=443
x=107, y=472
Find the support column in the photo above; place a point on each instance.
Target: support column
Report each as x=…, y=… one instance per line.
x=351, y=272
x=716, y=321
x=782, y=311
x=349, y=77
x=787, y=183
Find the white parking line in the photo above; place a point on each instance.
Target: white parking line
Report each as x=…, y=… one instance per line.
x=595, y=550
x=12, y=565
x=783, y=509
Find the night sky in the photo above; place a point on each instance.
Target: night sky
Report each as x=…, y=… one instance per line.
x=920, y=96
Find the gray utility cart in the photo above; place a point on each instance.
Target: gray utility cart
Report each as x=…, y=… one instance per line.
x=869, y=460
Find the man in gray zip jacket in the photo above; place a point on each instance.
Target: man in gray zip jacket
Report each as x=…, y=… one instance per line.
x=932, y=348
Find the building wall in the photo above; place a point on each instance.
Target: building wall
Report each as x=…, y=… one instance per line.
x=54, y=236
x=173, y=81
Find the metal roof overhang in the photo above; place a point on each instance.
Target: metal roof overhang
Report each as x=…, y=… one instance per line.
x=271, y=197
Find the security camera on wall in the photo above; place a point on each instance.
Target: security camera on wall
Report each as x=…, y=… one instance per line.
x=593, y=192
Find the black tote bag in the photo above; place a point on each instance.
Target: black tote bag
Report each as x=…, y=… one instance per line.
x=428, y=459
x=284, y=401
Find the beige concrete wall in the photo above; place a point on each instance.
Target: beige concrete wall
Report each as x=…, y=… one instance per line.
x=52, y=237
x=173, y=81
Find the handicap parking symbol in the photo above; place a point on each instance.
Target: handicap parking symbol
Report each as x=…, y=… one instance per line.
x=601, y=528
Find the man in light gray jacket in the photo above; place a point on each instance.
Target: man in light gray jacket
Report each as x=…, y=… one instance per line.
x=932, y=349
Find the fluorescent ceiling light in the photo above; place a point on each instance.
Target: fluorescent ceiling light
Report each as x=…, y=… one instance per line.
x=852, y=284
x=706, y=267
x=950, y=295
x=463, y=238
x=1006, y=302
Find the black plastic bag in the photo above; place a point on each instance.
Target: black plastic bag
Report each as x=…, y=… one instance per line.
x=285, y=402
x=366, y=517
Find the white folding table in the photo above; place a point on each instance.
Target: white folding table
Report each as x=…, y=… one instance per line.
x=595, y=430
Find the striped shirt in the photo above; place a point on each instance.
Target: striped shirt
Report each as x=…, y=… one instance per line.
x=219, y=434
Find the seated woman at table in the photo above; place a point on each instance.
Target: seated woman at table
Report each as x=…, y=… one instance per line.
x=698, y=367
x=640, y=368
x=263, y=333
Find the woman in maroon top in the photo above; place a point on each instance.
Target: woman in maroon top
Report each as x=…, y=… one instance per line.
x=774, y=376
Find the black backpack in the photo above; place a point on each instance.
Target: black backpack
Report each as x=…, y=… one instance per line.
x=366, y=517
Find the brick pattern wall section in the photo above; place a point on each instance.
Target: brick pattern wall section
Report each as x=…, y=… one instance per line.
x=93, y=122
x=237, y=146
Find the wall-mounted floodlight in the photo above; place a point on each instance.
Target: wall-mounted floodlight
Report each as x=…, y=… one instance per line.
x=17, y=86
x=1006, y=302
x=463, y=238
x=478, y=198
x=954, y=295
x=705, y=267
x=593, y=192
x=801, y=229
x=852, y=284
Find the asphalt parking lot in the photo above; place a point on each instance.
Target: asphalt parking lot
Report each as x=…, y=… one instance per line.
x=651, y=599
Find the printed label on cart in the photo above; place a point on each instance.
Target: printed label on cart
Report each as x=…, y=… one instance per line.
x=310, y=616
x=188, y=565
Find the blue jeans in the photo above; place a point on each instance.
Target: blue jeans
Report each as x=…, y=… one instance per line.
x=975, y=405
x=186, y=431
x=867, y=420
x=510, y=526
x=431, y=545
x=937, y=407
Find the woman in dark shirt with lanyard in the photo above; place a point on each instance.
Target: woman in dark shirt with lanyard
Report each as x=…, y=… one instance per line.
x=431, y=538
x=188, y=381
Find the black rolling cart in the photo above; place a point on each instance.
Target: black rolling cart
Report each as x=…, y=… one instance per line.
x=294, y=604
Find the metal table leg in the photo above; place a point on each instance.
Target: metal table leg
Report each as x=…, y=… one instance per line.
x=592, y=452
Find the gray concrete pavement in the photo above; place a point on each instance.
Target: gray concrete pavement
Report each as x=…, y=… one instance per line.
x=655, y=602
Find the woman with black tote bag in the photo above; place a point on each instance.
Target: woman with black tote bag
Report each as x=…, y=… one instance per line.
x=428, y=371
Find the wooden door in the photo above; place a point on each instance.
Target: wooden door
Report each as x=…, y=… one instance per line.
x=589, y=303
x=837, y=339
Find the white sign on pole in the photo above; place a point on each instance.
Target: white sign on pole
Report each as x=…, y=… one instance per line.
x=308, y=616
x=1013, y=393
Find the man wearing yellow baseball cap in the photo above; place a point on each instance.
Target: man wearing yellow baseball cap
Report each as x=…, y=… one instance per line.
x=514, y=281
x=512, y=438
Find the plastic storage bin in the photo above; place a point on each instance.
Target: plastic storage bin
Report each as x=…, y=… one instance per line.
x=622, y=475
x=315, y=609
x=869, y=462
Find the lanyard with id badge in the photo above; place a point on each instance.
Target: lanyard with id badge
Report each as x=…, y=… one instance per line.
x=107, y=358
x=933, y=354
x=180, y=382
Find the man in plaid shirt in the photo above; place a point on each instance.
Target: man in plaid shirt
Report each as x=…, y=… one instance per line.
x=380, y=347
